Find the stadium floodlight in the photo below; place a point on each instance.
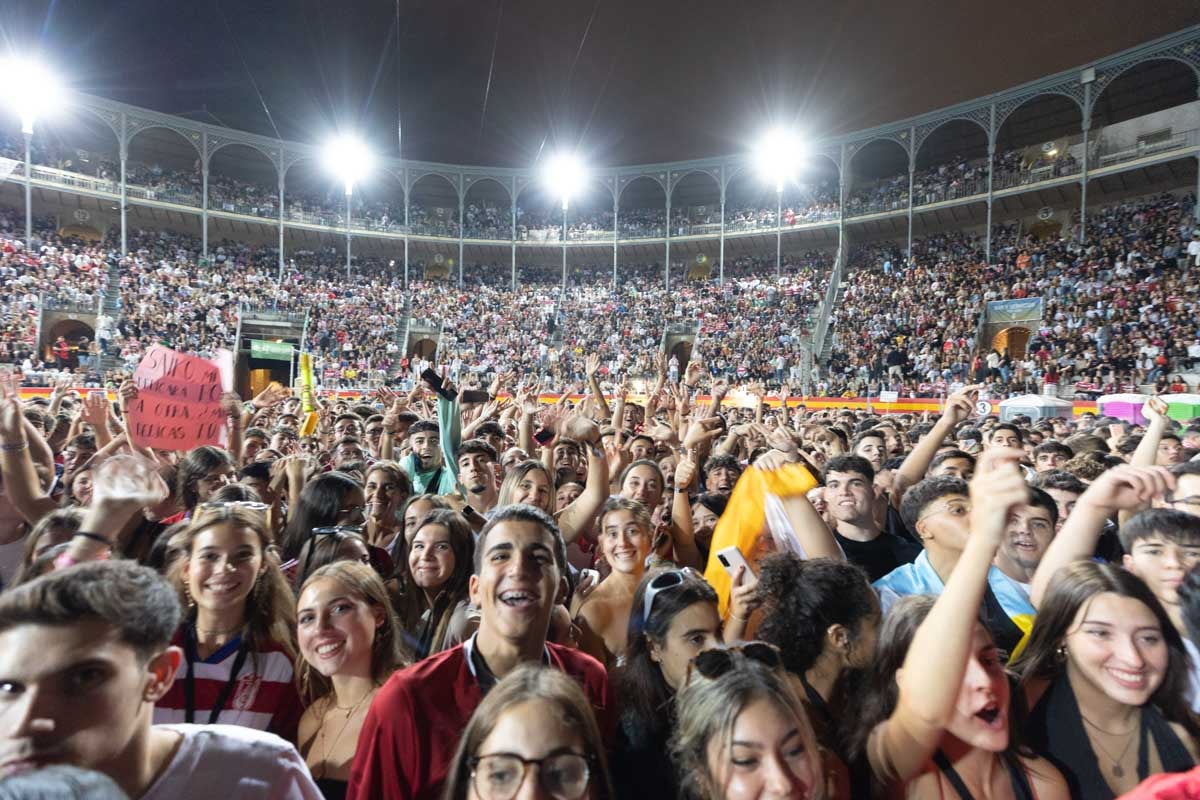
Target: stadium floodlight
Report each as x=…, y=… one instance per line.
x=32, y=91
x=778, y=156
x=350, y=160
x=565, y=175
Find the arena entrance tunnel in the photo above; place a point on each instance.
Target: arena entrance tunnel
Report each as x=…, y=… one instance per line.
x=1016, y=339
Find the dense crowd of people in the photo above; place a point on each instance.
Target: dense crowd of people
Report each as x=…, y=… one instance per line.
x=434, y=594
x=1120, y=312
x=962, y=177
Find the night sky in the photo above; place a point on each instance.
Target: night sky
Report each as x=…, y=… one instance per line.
x=623, y=81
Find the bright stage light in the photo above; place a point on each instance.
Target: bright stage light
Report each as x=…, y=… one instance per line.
x=565, y=175
x=778, y=156
x=349, y=159
x=30, y=89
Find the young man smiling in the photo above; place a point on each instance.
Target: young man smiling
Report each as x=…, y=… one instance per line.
x=84, y=656
x=410, y=733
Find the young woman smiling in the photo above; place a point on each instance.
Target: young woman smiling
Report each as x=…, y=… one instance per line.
x=387, y=489
x=1106, y=675
x=349, y=644
x=625, y=541
x=433, y=601
x=237, y=633
x=742, y=733
x=533, y=716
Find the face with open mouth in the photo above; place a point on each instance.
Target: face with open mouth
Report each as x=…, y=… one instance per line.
x=624, y=542
x=224, y=564
x=1116, y=644
x=518, y=581
x=336, y=628
x=1030, y=531
x=981, y=712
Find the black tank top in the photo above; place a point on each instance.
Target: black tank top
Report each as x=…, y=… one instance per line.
x=1016, y=775
x=1056, y=731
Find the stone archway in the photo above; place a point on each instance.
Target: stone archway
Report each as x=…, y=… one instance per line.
x=1015, y=338
x=422, y=348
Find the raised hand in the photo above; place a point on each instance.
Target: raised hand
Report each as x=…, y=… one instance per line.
x=996, y=489
x=701, y=431
x=94, y=409
x=128, y=480
x=961, y=404
x=692, y=373
x=685, y=473
x=743, y=598
x=580, y=428
x=591, y=365
x=1126, y=487
x=1155, y=409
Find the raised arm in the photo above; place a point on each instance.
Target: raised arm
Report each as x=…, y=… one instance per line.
x=1118, y=489
x=1155, y=412
x=687, y=554
x=591, y=367
x=958, y=407
x=20, y=478
x=932, y=674
x=579, y=515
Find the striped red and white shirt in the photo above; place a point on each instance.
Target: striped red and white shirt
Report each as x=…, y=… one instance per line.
x=263, y=695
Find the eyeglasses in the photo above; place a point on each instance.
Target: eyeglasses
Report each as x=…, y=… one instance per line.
x=337, y=531
x=564, y=776
x=713, y=664
x=663, y=582
x=352, y=511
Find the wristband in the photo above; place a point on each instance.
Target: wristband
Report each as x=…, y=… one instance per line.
x=14, y=447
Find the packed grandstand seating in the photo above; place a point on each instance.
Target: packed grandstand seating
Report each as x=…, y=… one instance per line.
x=574, y=561
x=1119, y=314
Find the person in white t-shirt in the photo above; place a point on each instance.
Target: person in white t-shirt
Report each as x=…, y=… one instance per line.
x=1193, y=250
x=84, y=655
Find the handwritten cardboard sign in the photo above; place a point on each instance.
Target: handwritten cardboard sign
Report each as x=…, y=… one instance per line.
x=178, y=404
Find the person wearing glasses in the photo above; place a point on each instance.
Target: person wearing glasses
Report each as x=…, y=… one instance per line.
x=1186, y=495
x=408, y=739
x=350, y=642
x=329, y=500
x=674, y=618
x=741, y=732
x=238, y=625
x=533, y=736
x=932, y=719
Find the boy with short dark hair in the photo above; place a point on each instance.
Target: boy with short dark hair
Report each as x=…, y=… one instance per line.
x=84, y=656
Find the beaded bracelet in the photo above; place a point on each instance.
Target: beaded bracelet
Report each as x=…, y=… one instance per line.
x=13, y=447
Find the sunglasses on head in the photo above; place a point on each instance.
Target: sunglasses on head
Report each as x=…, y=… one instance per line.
x=663, y=582
x=225, y=508
x=713, y=664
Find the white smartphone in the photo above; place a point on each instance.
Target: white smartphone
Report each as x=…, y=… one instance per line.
x=731, y=558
